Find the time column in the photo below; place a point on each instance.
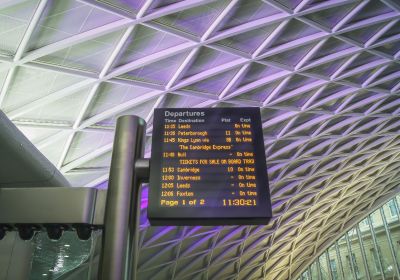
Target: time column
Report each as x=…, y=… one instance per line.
x=169, y=133
x=168, y=171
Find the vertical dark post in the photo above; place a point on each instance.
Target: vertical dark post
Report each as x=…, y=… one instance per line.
x=122, y=204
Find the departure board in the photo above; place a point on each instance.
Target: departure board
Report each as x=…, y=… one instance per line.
x=208, y=167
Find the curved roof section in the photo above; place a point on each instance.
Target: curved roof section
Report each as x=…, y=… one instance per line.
x=325, y=73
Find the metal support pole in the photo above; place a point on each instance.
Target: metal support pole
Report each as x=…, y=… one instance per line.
x=121, y=219
x=351, y=263
x=390, y=241
x=339, y=258
x=308, y=273
x=363, y=254
x=376, y=247
x=318, y=268
x=328, y=265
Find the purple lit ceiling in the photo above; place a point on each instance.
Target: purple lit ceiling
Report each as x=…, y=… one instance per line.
x=325, y=73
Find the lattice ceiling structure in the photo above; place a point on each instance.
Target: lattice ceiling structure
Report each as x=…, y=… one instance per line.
x=325, y=73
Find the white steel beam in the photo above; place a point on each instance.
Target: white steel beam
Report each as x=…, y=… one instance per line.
x=390, y=77
x=233, y=82
x=359, y=69
x=218, y=20
x=374, y=75
x=349, y=16
x=277, y=90
x=344, y=66
x=144, y=8
x=270, y=38
x=183, y=67
x=29, y=31
x=382, y=31
x=395, y=88
x=65, y=150
x=158, y=102
x=301, y=5
x=310, y=54
x=6, y=85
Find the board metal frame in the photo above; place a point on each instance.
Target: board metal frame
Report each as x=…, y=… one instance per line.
x=206, y=216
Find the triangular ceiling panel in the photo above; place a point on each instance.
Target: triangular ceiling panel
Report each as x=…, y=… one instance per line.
x=90, y=55
x=213, y=85
x=330, y=47
x=328, y=97
x=292, y=56
x=141, y=110
x=294, y=101
x=145, y=41
x=3, y=74
x=391, y=49
x=37, y=134
x=131, y=7
x=194, y=21
x=394, y=30
x=206, y=59
x=361, y=102
x=95, y=139
x=159, y=72
x=175, y=100
x=390, y=70
x=292, y=31
x=258, y=94
x=54, y=151
x=14, y=22
x=247, y=11
x=329, y=18
x=387, y=85
x=363, y=59
x=100, y=163
x=39, y=83
x=65, y=109
x=370, y=10
x=362, y=35
x=63, y=19
x=290, y=4
x=78, y=179
x=109, y=95
x=256, y=72
x=361, y=77
x=248, y=42
x=327, y=69
x=295, y=83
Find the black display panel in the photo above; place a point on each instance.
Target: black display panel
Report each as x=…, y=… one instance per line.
x=208, y=167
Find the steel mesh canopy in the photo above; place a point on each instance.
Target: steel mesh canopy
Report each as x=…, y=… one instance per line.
x=325, y=73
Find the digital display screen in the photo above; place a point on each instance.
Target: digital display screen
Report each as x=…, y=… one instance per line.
x=208, y=167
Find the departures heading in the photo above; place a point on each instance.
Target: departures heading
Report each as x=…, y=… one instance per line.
x=208, y=168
